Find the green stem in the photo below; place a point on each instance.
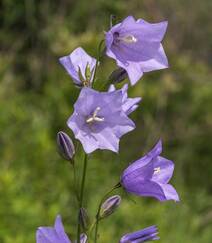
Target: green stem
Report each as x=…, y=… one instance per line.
x=75, y=181
x=91, y=228
x=98, y=59
x=99, y=208
x=81, y=195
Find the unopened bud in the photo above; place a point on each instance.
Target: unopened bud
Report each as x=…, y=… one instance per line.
x=83, y=238
x=118, y=75
x=109, y=206
x=84, y=219
x=65, y=146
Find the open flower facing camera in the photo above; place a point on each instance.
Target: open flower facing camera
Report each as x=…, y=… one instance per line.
x=100, y=119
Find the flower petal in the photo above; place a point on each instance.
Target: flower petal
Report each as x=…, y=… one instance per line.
x=165, y=169
x=133, y=69
x=159, y=61
x=149, y=233
x=107, y=140
x=60, y=230
x=52, y=234
x=128, y=104
x=157, y=150
x=68, y=65
x=169, y=192
x=143, y=161
x=144, y=188
x=137, y=172
x=153, y=32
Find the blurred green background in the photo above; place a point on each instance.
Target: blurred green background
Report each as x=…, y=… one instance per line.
x=37, y=96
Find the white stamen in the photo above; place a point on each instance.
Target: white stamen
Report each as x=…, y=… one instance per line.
x=128, y=39
x=156, y=170
x=94, y=117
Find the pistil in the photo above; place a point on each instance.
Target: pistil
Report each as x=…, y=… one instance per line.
x=128, y=39
x=94, y=117
x=156, y=170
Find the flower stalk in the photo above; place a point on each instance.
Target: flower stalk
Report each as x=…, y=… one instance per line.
x=98, y=59
x=81, y=195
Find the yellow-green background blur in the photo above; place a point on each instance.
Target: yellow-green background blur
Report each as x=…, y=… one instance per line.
x=37, y=96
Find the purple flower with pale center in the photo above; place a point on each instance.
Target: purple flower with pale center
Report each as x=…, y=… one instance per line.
x=98, y=120
x=149, y=176
x=55, y=234
x=136, y=46
x=147, y=234
x=128, y=104
x=80, y=66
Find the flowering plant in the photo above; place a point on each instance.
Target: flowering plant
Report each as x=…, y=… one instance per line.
x=101, y=118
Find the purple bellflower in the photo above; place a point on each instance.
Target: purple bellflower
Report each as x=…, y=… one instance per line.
x=149, y=176
x=147, y=234
x=98, y=120
x=80, y=66
x=136, y=46
x=128, y=104
x=55, y=234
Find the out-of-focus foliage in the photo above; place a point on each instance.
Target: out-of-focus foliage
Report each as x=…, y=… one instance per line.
x=37, y=98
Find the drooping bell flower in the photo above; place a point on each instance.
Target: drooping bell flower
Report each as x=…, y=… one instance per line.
x=136, y=46
x=149, y=176
x=80, y=66
x=128, y=104
x=55, y=234
x=98, y=120
x=147, y=234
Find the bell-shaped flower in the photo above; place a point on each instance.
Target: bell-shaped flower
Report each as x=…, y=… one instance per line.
x=147, y=234
x=80, y=66
x=149, y=176
x=55, y=234
x=98, y=120
x=128, y=104
x=136, y=46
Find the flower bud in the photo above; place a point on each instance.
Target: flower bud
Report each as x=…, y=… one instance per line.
x=84, y=220
x=83, y=238
x=118, y=75
x=109, y=206
x=65, y=146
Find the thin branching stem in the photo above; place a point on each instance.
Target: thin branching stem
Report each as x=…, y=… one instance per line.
x=99, y=208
